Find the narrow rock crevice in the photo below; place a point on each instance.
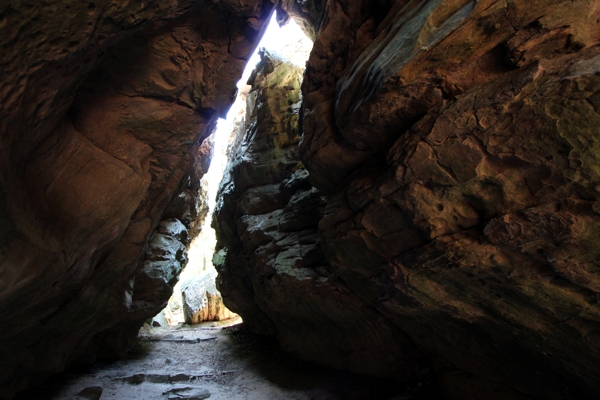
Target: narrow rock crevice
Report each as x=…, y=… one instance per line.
x=421, y=203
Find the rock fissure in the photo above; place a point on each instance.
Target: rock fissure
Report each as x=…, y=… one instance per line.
x=422, y=201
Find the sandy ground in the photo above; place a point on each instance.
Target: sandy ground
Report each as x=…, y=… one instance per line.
x=219, y=363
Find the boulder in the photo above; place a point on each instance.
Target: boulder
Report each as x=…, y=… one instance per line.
x=159, y=320
x=202, y=301
x=272, y=270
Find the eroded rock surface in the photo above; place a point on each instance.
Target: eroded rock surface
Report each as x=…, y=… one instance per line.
x=480, y=223
x=272, y=269
x=105, y=108
x=432, y=199
x=451, y=163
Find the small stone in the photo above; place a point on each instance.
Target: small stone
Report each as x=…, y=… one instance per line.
x=157, y=378
x=135, y=379
x=188, y=393
x=90, y=393
x=179, y=378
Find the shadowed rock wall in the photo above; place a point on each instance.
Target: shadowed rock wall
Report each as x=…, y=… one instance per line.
x=451, y=150
x=105, y=107
x=272, y=269
x=433, y=200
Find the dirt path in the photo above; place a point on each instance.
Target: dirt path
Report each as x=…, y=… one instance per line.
x=219, y=363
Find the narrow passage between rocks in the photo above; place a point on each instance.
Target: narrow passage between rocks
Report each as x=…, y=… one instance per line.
x=218, y=361
x=173, y=359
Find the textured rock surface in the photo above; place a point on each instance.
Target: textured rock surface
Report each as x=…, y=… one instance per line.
x=105, y=106
x=152, y=285
x=307, y=14
x=165, y=258
x=445, y=211
x=272, y=270
x=202, y=301
x=456, y=142
x=479, y=224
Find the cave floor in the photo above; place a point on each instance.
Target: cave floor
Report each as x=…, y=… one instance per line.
x=219, y=362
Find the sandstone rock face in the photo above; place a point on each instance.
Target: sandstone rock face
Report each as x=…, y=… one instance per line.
x=165, y=258
x=271, y=267
x=202, y=301
x=432, y=200
x=452, y=188
x=152, y=285
x=479, y=221
x=105, y=107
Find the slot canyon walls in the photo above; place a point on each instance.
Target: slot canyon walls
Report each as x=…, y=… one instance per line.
x=272, y=270
x=105, y=108
x=429, y=202
x=441, y=207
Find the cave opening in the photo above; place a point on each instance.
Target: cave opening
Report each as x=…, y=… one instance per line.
x=195, y=298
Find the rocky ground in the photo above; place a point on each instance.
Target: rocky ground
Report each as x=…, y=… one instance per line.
x=218, y=361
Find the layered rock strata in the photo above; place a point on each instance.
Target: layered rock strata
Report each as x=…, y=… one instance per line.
x=271, y=267
x=467, y=213
x=450, y=154
x=432, y=201
x=105, y=107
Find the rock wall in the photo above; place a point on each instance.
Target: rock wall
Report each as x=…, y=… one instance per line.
x=271, y=267
x=105, y=108
x=431, y=201
x=449, y=187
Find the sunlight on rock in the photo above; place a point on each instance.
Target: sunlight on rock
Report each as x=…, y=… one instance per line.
x=195, y=300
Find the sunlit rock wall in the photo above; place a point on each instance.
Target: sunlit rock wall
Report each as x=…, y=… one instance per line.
x=105, y=106
x=201, y=301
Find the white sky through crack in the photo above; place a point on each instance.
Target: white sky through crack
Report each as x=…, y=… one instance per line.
x=291, y=43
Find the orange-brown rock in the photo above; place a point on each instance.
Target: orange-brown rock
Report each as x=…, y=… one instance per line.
x=456, y=142
x=105, y=106
x=432, y=200
x=459, y=152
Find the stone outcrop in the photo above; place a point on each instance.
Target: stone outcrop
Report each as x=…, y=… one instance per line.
x=105, y=108
x=431, y=201
x=450, y=156
x=202, y=301
x=307, y=14
x=474, y=202
x=152, y=285
x=271, y=267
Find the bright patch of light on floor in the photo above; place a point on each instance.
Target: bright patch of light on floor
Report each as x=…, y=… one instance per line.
x=291, y=43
